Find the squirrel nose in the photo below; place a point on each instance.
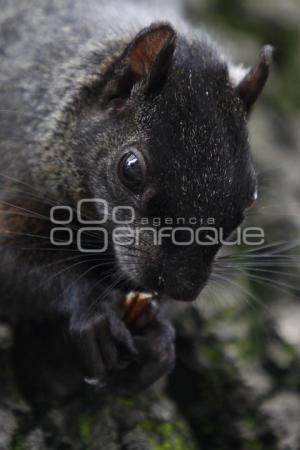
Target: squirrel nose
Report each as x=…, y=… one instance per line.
x=185, y=282
x=183, y=291
x=184, y=285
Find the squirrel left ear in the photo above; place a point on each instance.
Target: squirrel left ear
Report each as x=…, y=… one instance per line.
x=151, y=50
x=249, y=87
x=146, y=59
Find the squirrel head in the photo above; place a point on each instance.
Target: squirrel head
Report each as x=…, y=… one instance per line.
x=166, y=135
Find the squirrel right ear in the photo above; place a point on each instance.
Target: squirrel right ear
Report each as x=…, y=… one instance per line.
x=146, y=61
x=248, y=84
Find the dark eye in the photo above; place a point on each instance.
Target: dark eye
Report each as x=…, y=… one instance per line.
x=131, y=171
x=252, y=201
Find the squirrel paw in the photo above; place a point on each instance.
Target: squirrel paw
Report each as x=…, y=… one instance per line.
x=155, y=357
x=129, y=349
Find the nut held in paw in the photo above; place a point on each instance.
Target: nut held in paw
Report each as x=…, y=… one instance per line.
x=135, y=304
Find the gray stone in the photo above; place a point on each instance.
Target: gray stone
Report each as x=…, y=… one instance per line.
x=283, y=411
x=34, y=441
x=8, y=426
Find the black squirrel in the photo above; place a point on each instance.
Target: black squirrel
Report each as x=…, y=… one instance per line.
x=104, y=101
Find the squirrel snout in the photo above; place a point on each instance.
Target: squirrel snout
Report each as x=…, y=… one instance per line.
x=183, y=284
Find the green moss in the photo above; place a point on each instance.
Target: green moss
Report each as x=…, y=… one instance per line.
x=168, y=435
x=213, y=353
x=252, y=443
x=124, y=401
x=16, y=447
x=85, y=428
x=245, y=348
x=17, y=441
x=25, y=424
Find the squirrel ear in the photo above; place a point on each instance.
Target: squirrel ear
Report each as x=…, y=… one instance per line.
x=146, y=59
x=149, y=46
x=253, y=81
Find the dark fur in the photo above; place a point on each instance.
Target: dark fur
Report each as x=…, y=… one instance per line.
x=70, y=104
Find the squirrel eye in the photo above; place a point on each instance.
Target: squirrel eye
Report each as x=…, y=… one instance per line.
x=131, y=171
x=252, y=201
